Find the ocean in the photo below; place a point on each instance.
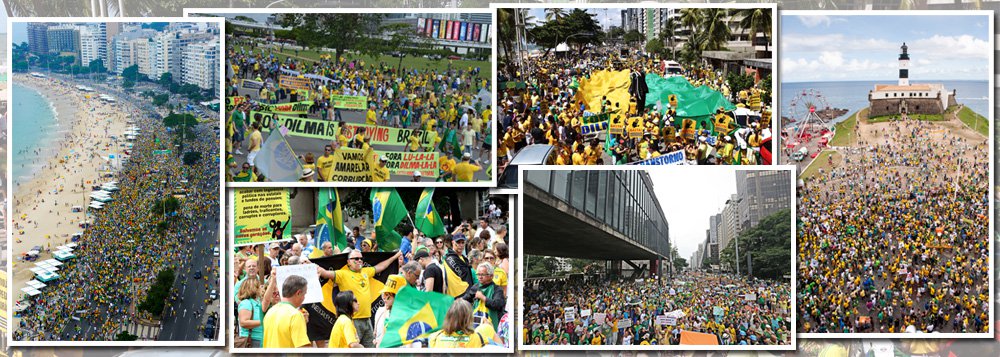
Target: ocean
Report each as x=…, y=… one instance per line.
x=854, y=95
x=35, y=126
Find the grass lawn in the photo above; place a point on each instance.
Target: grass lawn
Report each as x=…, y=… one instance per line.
x=974, y=120
x=820, y=163
x=408, y=62
x=845, y=129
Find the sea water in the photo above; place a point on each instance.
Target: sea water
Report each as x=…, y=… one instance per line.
x=853, y=95
x=34, y=128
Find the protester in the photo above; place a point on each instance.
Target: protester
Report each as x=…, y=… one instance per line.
x=343, y=333
x=285, y=324
x=457, y=331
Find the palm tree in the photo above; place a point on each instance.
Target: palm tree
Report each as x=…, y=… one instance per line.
x=513, y=30
x=668, y=33
x=691, y=18
x=555, y=13
x=714, y=26
x=757, y=21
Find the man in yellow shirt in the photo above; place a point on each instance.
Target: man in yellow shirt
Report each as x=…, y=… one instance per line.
x=356, y=278
x=284, y=324
x=380, y=173
x=324, y=164
x=465, y=170
x=370, y=119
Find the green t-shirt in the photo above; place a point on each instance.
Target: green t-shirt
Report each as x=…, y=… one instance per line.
x=256, y=333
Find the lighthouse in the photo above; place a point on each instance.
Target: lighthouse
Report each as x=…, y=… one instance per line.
x=904, y=65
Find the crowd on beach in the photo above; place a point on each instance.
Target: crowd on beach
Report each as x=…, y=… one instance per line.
x=475, y=250
x=452, y=107
x=123, y=246
x=894, y=237
x=541, y=105
x=594, y=310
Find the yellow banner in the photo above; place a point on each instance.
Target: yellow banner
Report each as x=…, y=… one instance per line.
x=613, y=85
x=261, y=215
x=354, y=102
x=353, y=165
x=232, y=102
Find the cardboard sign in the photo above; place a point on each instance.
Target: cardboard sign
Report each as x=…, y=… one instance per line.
x=599, y=318
x=290, y=82
x=249, y=84
x=617, y=126
x=353, y=165
x=301, y=107
x=585, y=313
x=261, y=215
x=405, y=163
x=635, y=128
x=353, y=102
x=314, y=292
x=750, y=297
x=624, y=323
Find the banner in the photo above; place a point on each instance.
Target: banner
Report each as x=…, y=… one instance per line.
x=327, y=130
x=594, y=128
x=661, y=320
x=585, y=313
x=261, y=215
x=672, y=158
x=286, y=108
x=405, y=163
x=597, y=118
x=291, y=82
x=323, y=315
x=353, y=165
x=617, y=125
x=624, y=323
x=599, y=318
x=352, y=102
x=314, y=292
x=232, y=102
x=249, y=84
x=750, y=297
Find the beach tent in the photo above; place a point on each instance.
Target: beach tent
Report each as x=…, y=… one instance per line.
x=46, y=276
x=63, y=255
x=30, y=291
x=698, y=338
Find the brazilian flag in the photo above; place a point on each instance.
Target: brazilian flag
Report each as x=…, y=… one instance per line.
x=415, y=315
x=428, y=220
x=388, y=211
x=332, y=216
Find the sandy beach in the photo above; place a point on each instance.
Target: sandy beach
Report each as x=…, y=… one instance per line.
x=42, y=206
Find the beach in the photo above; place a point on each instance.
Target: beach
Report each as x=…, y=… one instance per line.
x=72, y=163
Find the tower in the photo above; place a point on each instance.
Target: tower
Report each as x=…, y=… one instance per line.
x=904, y=64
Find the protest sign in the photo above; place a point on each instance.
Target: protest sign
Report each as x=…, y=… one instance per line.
x=261, y=215
x=594, y=128
x=314, y=292
x=353, y=102
x=585, y=313
x=599, y=318
x=672, y=158
x=232, y=102
x=353, y=165
x=290, y=82
x=405, y=163
x=249, y=84
x=301, y=107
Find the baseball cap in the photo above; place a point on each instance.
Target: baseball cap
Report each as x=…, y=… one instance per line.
x=422, y=253
x=466, y=156
x=416, y=174
x=458, y=237
x=393, y=284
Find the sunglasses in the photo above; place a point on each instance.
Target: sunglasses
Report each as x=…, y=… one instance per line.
x=359, y=259
x=489, y=257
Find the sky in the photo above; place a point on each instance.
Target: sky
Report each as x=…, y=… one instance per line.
x=606, y=17
x=689, y=195
x=859, y=47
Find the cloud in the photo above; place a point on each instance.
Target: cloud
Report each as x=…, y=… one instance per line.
x=814, y=20
x=820, y=43
x=962, y=47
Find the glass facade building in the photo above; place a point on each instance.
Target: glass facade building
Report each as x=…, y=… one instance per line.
x=622, y=199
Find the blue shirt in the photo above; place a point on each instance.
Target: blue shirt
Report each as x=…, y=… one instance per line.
x=404, y=247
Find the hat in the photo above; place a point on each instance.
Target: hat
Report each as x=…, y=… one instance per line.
x=421, y=253
x=467, y=156
x=368, y=241
x=307, y=173
x=458, y=237
x=702, y=138
x=416, y=173
x=393, y=284
x=275, y=245
x=383, y=158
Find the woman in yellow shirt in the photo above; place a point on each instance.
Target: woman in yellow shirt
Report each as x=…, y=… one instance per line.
x=457, y=332
x=343, y=334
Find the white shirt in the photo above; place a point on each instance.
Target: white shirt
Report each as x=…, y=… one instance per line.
x=381, y=315
x=488, y=229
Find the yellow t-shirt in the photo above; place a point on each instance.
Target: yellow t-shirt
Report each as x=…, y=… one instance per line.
x=592, y=155
x=380, y=174
x=285, y=327
x=578, y=159
x=342, y=140
x=414, y=142
x=455, y=340
x=255, y=140
x=358, y=282
x=370, y=119
x=343, y=333
x=464, y=171
x=325, y=166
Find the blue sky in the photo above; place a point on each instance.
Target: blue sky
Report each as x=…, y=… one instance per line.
x=845, y=48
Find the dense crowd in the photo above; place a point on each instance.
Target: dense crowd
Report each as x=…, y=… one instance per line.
x=122, y=250
x=453, y=107
x=477, y=252
x=894, y=238
x=593, y=311
x=541, y=105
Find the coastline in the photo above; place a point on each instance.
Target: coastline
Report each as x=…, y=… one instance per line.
x=42, y=204
x=58, y=104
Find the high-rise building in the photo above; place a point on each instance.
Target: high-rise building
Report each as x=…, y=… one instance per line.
x=63, y=39
x=126, y=47
x=762, y=193
x=38, y=38
x=111, y=30
x=200, y=65
x=93, y=44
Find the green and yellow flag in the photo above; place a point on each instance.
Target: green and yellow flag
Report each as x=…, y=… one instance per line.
x=387, y=211
x=332, y=215
x=428, y=220
x=415, y=315
x=454, y=285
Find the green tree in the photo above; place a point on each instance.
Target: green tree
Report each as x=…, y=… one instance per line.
x=192, y=157
x=158, y=293
x=97, y=66
x=738, y=81
x=175, y=119
x=244, y=19
x=167, y=205
x=756, y=20
x=768, y=246
x=341, y=32
x=540, y=266
x=161, y=99
x=633, y=37
x=132, y=73
x=668, y=33
x=554, y=14
x=716, y=29
x=655, y=46
x=128, y=84
x=691, y=18
x=125, y=336
x=166, y=79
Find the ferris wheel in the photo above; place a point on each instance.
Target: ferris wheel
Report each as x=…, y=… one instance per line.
x=803, y=108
